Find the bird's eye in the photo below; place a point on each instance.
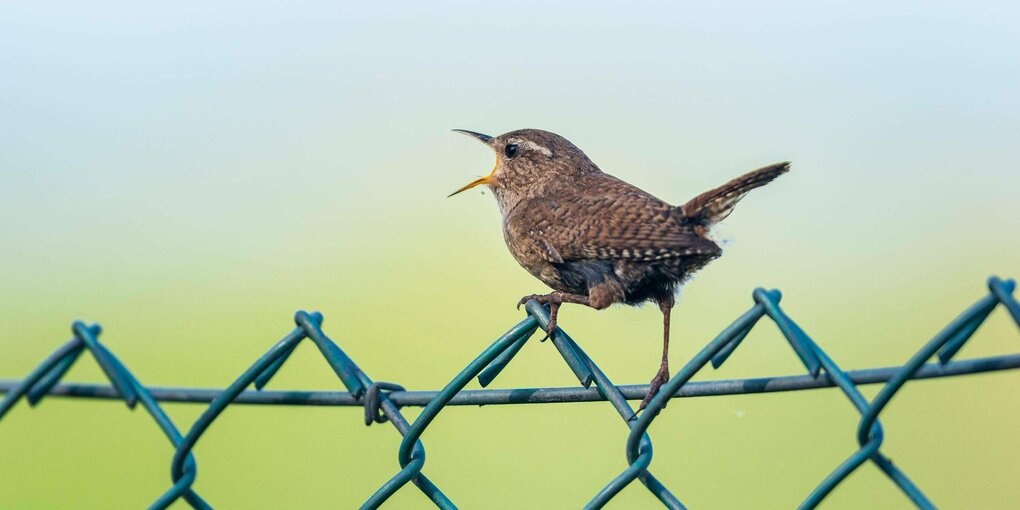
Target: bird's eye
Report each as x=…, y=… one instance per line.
x=510, y=150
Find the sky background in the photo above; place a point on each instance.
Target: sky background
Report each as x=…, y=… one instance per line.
x=189, y=175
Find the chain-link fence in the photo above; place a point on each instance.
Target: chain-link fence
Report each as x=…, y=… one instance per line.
x=382, y=401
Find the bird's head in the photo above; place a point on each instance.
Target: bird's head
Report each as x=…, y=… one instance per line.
x=529, y=162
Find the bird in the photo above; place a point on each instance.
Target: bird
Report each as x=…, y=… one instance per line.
x=595, y=239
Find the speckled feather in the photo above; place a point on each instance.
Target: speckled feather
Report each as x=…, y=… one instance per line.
x=582, y=231
x=594, y=238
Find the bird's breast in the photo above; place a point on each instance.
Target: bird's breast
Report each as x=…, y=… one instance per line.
x=523, y=249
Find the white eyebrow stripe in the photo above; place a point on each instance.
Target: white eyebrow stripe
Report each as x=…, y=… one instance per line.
x=539, y=148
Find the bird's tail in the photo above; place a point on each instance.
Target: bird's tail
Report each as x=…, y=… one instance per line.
x=713, y=206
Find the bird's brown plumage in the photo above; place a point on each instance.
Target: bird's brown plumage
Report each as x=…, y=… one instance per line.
x=596, y=239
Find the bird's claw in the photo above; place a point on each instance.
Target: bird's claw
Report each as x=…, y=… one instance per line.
x=554, y=303
x=653, y=387
x=551, y=327
x=545, y=299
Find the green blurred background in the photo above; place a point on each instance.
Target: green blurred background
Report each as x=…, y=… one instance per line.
x=190, y=175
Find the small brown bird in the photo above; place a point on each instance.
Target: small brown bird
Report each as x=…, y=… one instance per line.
x=595, y=239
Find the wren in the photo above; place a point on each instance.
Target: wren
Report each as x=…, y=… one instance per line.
x=595, y=239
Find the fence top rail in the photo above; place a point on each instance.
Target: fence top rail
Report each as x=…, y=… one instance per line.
x=549, y=395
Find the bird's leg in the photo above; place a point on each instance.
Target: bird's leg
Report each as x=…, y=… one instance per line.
x=666, y=305
x=554, y=300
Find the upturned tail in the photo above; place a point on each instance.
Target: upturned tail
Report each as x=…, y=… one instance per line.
x=714, y=206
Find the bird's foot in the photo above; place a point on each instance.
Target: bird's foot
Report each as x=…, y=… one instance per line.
x=541, y=298
x=660, y=378
x=554, y=301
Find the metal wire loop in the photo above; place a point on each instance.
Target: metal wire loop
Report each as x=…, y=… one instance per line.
x=373, y=399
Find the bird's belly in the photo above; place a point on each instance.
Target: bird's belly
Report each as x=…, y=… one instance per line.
x=650, y=280
x=547, y=272
x=538, y=266
x=552, y=277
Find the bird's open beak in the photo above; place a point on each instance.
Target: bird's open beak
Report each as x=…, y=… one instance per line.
x=483, y=180
x=487, y=140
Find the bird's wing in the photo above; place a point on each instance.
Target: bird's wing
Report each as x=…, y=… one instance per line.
x=628, y=224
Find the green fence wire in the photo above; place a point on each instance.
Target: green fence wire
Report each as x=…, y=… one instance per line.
x=382, y=401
